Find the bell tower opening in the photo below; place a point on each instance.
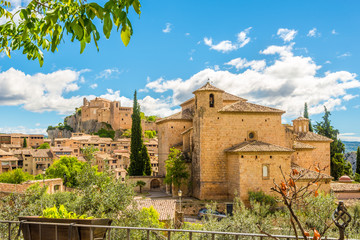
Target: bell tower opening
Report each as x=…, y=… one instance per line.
x=211, y=100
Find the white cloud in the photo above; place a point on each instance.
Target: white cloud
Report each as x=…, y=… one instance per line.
x=240, y=63
x=347, y=54
x=167, y=28
x=313, y=33
x=286, y=34
x=348, y=97
x=40, y=92
x=107, y=73
x=349, y=137
x=227, y=45
x=334, y=32
x=187, y=34
x=22, y=129
x=93, y=86
x=328, y=62
x=191, y=59
x=287, y=83
x=37, y=124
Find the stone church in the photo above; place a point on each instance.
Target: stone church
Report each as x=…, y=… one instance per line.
x=235, y=146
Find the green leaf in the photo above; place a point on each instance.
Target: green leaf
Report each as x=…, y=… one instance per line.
x=79, y=31
x=82, y=46
x=107, y=25
x=125, y=35
x=136, y=5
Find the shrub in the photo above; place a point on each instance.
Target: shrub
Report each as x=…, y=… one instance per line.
x=61, y=212
x=262, y=198
x=16, y=176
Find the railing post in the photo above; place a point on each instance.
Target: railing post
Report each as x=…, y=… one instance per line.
x=56, y=232
x=213, y=236
x=109, y=235
x=91, y=233
x=39, y=231
x=9, y=231
x=190, y=235
x=148, y=234
x=128, y=234
x=169, y=235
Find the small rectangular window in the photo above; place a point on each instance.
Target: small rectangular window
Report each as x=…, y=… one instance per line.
x=265, y=171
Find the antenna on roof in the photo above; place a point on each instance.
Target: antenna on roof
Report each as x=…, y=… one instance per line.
x=210, y=81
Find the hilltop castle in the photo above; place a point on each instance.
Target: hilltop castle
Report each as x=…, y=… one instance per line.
x=103, y=110
x=235, y=146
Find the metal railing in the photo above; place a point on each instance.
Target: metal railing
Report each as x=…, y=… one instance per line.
x=167, y=235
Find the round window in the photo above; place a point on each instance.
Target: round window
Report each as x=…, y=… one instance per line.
x=251, y=135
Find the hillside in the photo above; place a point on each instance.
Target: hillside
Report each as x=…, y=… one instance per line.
x=351, y=146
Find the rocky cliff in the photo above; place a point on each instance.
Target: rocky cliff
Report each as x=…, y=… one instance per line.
x=351, y=157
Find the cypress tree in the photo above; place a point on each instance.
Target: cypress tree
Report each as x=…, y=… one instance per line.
x=136, y=167
x=358, y=161
x=306, y=115
x=146, y=159
x=24, y=143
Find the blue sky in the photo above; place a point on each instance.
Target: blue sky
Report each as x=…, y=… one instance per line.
x=275, y=53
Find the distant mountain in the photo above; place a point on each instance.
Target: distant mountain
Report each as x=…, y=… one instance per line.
x=351, y=146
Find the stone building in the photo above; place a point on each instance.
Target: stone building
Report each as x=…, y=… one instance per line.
x=34, y=161
x=32, y=140
x=235, y=146
x=110, y=112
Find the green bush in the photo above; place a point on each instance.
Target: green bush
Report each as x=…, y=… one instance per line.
x=150, y=134
x=106, y=133
x=16, y=176
x=262, y=198
x=61, y=212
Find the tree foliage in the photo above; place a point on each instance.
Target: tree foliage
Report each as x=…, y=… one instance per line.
x=337, y=148
x=24, y=143
x=176, y=170
x=69, y=166
x=139, y=157
x=358, y=161
x=150, y=134
x=42, y=24
x=16, y=176
x=106, y=133
x=44, y=146
x=306, y=115
x=140, y=184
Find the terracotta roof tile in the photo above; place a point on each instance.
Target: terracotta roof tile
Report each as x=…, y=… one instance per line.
x=4, y=153
x=309, y=174
x=257, y=146
x=231, y=97
x=345, y=187
x=300, y=119
x=310, y=136
x=183, y=115
x=300, y=145
x=208, y=87
x=242, y=106
x=42, y=153
x=166, y=208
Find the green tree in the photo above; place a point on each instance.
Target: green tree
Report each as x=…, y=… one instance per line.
x=44, y=146
x=106, y=133
x=16, y=176
x=69, y=166
x=43, y=24
x=340, y=167
x=24, y=143
x=146, y=159
x=358, y=161
x=140, y=184
x=306, y=115
x=337, y=148
x=176, y=170
x=139, y=158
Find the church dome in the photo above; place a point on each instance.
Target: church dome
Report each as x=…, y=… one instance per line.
x=345, y=179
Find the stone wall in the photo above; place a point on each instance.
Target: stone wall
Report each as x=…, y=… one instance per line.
x=319, y=155
x=53, y=185
x=149, y=180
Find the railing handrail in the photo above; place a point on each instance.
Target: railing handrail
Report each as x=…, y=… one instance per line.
x=159, y=229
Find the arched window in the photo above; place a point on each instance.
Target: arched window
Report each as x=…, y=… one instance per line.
x=211, y=100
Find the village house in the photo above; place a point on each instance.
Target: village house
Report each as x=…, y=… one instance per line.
x=17, y=139
x=34, y=161
x=235, y=146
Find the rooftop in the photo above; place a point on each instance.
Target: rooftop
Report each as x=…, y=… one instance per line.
x=310, y=136
x=300, y=145
x=257, y=146
x=208, y=87
x=242, y=106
